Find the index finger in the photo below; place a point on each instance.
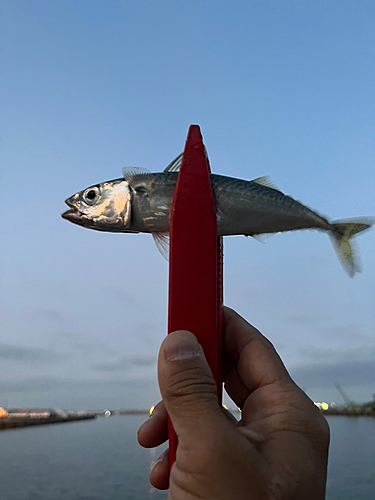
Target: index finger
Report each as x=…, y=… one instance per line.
x=256, y=360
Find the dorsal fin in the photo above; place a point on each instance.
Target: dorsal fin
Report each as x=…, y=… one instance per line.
x=175, y=164
x=266, y=181
x=129, y=172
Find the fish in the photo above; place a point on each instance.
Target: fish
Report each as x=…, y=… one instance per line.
x=140, y=202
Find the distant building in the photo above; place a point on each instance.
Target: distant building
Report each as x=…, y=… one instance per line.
x=31, y=413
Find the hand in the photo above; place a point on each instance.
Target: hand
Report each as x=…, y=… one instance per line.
x=279, y=448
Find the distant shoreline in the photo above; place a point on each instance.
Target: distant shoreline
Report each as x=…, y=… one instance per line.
x=20, y=422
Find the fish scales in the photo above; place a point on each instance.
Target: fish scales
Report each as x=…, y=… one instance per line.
x=256, y=209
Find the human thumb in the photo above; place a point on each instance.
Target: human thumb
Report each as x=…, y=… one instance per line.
x=186, y=384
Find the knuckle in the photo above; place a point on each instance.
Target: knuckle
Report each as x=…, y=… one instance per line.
x=302, y=416
x=188, y=384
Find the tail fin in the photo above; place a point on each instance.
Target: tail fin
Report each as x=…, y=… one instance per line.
x=341, y=233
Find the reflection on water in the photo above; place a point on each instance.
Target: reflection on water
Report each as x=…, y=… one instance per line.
x=351, y=471
x=101, y=459
x=91, y=460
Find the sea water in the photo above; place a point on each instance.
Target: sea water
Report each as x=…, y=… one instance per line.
x=101, y=459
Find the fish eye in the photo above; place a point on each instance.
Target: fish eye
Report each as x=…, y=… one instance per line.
x=91, y=195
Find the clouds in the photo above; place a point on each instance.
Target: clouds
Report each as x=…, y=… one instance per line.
x=127, y=362
x=82, y=312
x=316, y=358
x=49, y=314
x=28, y=354
x=38, y=384
x=60, y=385
x=350, y=372
x=51, y=391
x=334, y=353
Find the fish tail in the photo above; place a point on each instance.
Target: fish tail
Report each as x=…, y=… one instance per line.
x=341, y=234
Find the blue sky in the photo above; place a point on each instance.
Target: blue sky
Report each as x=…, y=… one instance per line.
x=279, y=88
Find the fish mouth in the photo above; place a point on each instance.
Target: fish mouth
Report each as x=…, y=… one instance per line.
x=73, y=215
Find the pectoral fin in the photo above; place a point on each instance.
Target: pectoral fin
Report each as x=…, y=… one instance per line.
x=162, y=243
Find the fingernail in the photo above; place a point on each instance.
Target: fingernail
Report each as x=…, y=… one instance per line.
x=182, y=345
x=153, y=464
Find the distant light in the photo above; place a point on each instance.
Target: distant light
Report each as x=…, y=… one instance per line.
x=319, y=405
x=333, y=404
x=3, y=413
x=107, y=413
x=152, y=409
x=325, y=406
